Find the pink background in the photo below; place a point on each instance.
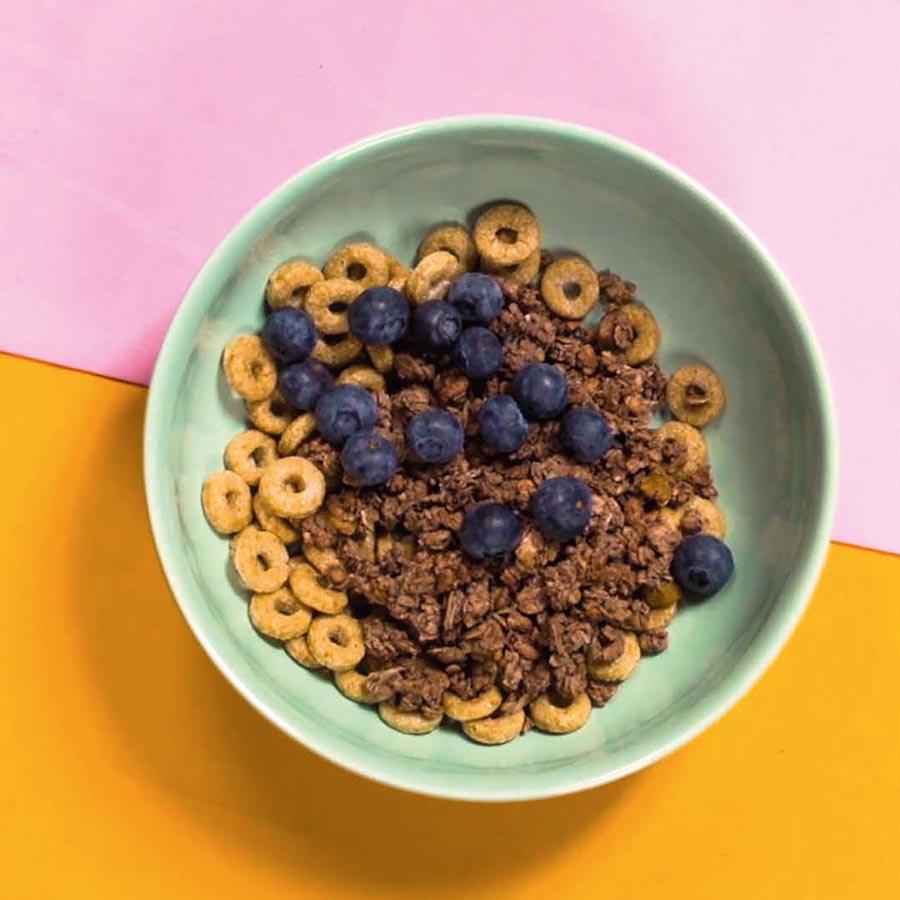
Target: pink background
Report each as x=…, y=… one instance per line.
x=133, y=134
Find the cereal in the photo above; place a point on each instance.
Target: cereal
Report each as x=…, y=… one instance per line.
x=289, y=284
x=495, y=730
x=271, y=415
x=697, y=515
x=328, y=302
x=363, y=263
x=695, y=395
x=506, y=234
x=298, y=650
x=549, y=717
x=292, y=487
x=352, y=684
x=570, y=287
x=249, y=368
x=431, y=278
x=485, y=704
x=665, y=595
x=226, y=502
x=382, y=357
x=260, y=560
x=623, y=665
x=517, y=274
x=691, y=443
x=397, y=273
x=279, y=615
x=304, y=581
x=660, y=618
x=408, y=722
x=296, y=433
x=336, y=642
x=325, y=561
x=365, y=376
x=248, y=453
x=338, y=353
x=453, y=239
x=268, y=521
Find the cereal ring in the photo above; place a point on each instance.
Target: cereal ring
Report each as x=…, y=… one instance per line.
x=623, y=665
x=260, y=560
x=697, y=515
x=363, y=263
x=518, y=274
x=248, y=453
x=248, y=367
x=268, y=521
x=432, y=276
x=226, y=502
x=485, y=704
x=352, y=684
x=560, y=719
x=453, y=239
x=500, y=730
x=408, y=722
x=298, y=650
x=695, y=394
x=507, y=233
x=339, y=353
x=570, y=287
x=328, y=302
x=691, y=442
x=660, y=618
x=385, y=544
x=339, y=519
x=382, y=357
x=363, y=375
x=289, y=284
x=304, y=581
x=633, y=330
x=397, y=273
x=279, y=615
x=271, y=415
x=292, y=487
x=365, y=545
x=325, y=561
x=296, y=433
x=336, y=642
x=664, y=595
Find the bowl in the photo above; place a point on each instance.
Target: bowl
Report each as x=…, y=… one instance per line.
x=719, y=298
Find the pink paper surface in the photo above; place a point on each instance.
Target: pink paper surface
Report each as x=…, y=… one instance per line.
x=134, y=134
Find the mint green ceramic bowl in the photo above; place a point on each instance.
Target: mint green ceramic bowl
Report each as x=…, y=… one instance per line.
x=719, y=298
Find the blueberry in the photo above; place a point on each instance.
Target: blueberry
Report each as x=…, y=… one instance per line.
x=478, y=297
x=301, y=384
x=702, y=565
x=540, y=390
x=479, y=353
x=289, y=334
x=489, y=530
x=436, y=325
x=343, y=410
x=562, y=507
x=585, y=434
x=435, y=436
x=368, y=458
x=501, y=423
x=379, y=315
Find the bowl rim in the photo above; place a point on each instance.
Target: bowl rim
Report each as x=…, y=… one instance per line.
x=716, y=702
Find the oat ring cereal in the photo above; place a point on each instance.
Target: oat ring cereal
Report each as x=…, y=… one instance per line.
x=560, y=719
x=260, y=560
x=296, y=433
x=304, y=581
x=268, y=521
x=292, y=487
x=661, y=617
x=517, y=274
x=485, y=704
x=328, y=302
x=271, y=415
x=499, y=730
x=325, y=561
x=364, y=376
x=248, y=453
x=431, y=278
x=397, y=273
x=226, y=502
x=570, y=287
x=289, y=284
x=352, y=685
x=249, y=368
x=453, y=239
x=697, y=515
x=338, y=353
x=695, y=395
x=336, y=642
x=667, y=594
x=363, y=263
x=298, y=650
x=279, y=615
x=623, y=665
x=408, y=722
x=382, y=357
x=691, y=443
x=506, y=234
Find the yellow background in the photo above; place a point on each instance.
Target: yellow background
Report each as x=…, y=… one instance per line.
x=129, y=768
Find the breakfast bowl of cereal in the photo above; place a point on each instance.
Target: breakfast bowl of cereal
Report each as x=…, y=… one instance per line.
x=490, y=458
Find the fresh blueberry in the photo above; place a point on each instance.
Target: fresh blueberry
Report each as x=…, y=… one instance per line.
x=289, y=334
x=561, y=507
x=369, y=458
x=478, y=297
x=301, y=384
x=501, y=423
x=702, y=565
x=343, y=410
x=479, y=353
x=435, y=436
x=379, y=315
x=585, y=434
x=436, y=325
x=541, y=391
x=489, y=530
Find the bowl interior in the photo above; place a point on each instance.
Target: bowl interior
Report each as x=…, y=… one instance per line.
x=718, y=300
